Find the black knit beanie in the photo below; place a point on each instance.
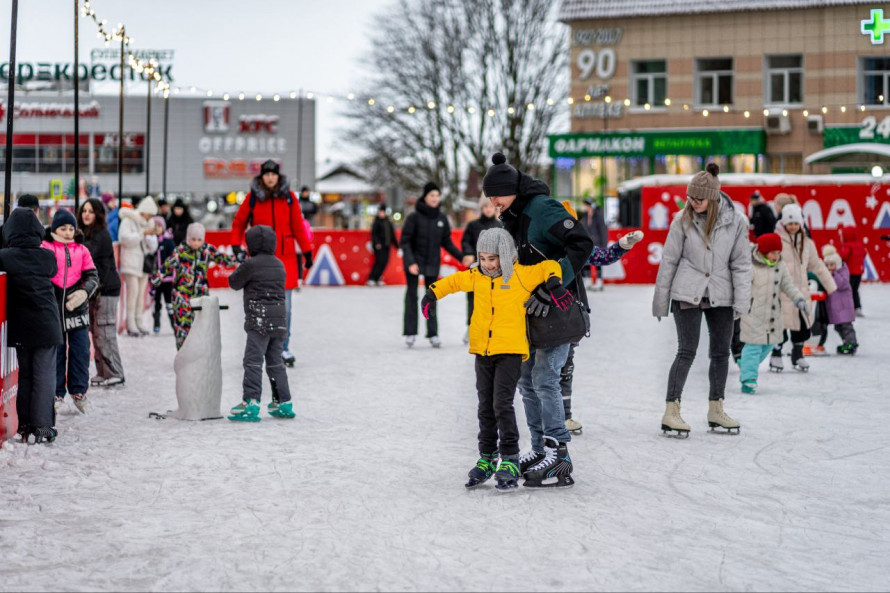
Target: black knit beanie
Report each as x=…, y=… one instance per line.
x=61, y=218
x=427, y=189
x=28, y=201
x=501, y=179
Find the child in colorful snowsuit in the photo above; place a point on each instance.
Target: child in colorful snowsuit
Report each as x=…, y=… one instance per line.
x=34, y=326
x=75, y=282
x=498, y=338
x=188, y=265
x=840, y=304
x=761, y=328
x=265, y=320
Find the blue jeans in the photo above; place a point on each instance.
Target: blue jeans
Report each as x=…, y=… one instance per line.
x=73, y=362
x=752, y=356
x=289, y=302
x=542, y=396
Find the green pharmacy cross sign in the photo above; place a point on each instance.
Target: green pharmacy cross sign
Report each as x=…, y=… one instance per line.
x=875, y=27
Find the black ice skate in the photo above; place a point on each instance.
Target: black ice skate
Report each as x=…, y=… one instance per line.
x=554, y=471
x=798, y=361
x=508, y=474
x=44, y=434
x=529, y=459
x=483, y=471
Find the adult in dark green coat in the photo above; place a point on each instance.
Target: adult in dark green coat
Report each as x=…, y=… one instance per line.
x=543, y=229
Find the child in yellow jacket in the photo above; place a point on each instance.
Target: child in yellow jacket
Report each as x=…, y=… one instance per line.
x=498, y=339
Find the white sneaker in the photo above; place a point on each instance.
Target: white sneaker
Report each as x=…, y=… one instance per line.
x=370, y=283
x=409, y=340
x=381, y=283
x=435, y=342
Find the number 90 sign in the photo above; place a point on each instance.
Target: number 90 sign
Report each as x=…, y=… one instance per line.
x=603, y=65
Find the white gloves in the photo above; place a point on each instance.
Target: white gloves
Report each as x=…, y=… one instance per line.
x=630, y=239
x=75, y=299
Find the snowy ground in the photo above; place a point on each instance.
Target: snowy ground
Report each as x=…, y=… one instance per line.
x=364, y=490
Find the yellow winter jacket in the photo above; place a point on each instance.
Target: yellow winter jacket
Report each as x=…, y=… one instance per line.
x=498, y=323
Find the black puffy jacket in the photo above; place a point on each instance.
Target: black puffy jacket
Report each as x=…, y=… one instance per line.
x=474, y=228
x=102, y=252
x=262, y=277
x=32, y=313
x=425, y=234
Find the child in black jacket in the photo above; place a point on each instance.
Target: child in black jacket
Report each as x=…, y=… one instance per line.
x=35, y=328
x=265, y=320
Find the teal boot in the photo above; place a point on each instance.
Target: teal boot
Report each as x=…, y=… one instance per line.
x=749, y=387
x=282, y=410
x=246, y=411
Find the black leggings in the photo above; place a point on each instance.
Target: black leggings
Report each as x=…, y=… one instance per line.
x=688, y=321
x=410, y=321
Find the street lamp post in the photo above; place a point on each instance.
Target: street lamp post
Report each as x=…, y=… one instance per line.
x=76, y=106
x=10, y=105
x=120, y=121
x=149, y=75
x=166, y=131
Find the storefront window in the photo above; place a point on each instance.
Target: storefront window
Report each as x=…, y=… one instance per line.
x=713, y=81
x=105, y=153
x=744, y=163
x=785, y=163
x=875, y=81
x=649, y=82
x=784, y=80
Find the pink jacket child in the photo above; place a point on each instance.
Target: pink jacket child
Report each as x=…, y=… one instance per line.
x=77, y=279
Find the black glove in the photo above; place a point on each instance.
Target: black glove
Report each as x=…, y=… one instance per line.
x=307, y=257
x=240, y=254
x=561, y=297
x=538, y=304
x=426, y=304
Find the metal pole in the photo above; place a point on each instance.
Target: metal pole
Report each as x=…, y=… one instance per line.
x=166, y=130
x=148, y=134
x=76, y=107
x=299, y=178
x=120, y=124
x=10, y=105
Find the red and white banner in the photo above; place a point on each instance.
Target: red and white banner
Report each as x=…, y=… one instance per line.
x=9, y=374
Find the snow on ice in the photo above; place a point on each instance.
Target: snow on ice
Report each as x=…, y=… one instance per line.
x=364, y=489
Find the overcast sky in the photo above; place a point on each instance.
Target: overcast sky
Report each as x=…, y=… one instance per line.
x=259, y=46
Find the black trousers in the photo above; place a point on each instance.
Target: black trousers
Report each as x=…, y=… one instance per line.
x=797, y=336
x=496, y=380
x=381, y=258
x=688, y=321
x=854, y=284
x=565, y=382
x=165, y=290
x=410, y=323
x=736, y=345
x=37, y=386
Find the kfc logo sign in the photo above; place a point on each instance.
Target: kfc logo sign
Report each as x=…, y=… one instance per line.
x=254, y=124
x=216, y=116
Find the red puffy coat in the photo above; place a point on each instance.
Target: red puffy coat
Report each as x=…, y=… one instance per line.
x=852, y=251
x=285, y=219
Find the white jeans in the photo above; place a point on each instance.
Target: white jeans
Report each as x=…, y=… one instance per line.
x=135, y=301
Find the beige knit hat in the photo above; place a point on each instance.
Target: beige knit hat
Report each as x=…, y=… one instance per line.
x=704, y=185
x=781, y=200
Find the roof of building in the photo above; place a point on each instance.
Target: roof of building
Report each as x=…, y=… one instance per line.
x=573, y=10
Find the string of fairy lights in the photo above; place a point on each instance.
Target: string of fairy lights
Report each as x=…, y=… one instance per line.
x=150, y=68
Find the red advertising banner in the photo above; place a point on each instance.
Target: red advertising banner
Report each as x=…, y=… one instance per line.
x=826, y=208
x=9, y=374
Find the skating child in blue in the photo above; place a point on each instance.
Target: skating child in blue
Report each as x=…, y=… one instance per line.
x=762, y=326
x=265, y=320
x=498, y=339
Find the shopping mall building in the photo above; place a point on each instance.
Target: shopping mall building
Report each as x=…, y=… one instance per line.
x=214, y=145
x=660, y=86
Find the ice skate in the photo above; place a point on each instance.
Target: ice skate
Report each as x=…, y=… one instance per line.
x=749, y=387
x=775, y=362
x=717, y=418
x=848, y=349
x=859, y=312
x=112, y=382
x=288, y=359
x=58, y=403
x=798, y=361
x=573, y=426
x=282, y=410
x=246, y=411
x=97, y=380
x=80, y=402
x=24, y=432
x=507, y=474
x=673, y=421
x=409, y=340
x=45, y=434
x=554, y=471
x=529, y=459
x=484, y=469
x=133, y=334
x=435, y=341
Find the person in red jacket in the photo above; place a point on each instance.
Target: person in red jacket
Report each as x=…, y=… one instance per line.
x=852, y=251
x=272, y=203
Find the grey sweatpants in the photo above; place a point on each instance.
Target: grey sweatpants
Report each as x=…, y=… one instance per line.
x=846, y=331
x=37, y=386
x=103, y=328
x=257, y=348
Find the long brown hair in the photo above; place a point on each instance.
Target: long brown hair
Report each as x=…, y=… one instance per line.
x=100, y=222
x=710, y=214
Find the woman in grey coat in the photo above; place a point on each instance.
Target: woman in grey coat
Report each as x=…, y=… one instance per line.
x=705, y=271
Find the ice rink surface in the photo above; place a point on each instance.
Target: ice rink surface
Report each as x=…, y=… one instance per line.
x=364, y=489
